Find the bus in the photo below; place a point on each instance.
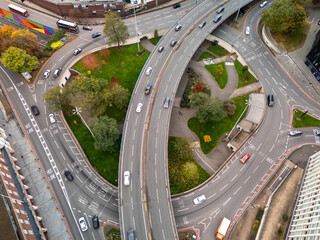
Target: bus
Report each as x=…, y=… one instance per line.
x=67, y=25
x=18, y=10
x=223, y=228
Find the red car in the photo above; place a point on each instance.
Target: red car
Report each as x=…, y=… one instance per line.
x=245, y=158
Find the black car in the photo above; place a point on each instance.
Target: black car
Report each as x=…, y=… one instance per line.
x=173, y=43
x=95, y=222
x=35, y=110
x=97, y=34
x=177, y=5
x=148, y=89
x=68, y=175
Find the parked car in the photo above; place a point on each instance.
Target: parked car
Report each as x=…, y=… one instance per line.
x=173, y=43
x=247, y=30
x=220, y=10
x=77, y=51
x=126, y=178
x=52, y=118
x=57, y=72
x=35, y=110
x=177, y=5
x=199, y=199
x=148, y=89
x=245, y=158
x=178, y=27
x=97, y=34
x=263, y=4
x=316, y=132
x=148, y=71
x=68, y=175
x=295, y=133
x=46, y=73
x=95, y=222
x=160, y=49
x=87, y=28
x=166, y=102
x=139, y=107
x=83, y=224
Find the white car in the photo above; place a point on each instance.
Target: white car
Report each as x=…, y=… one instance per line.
x=148, y=71
x=247, y=30
x=263, y=4
x=83, y=224
x=295, y=132
x=46, y=73
x=199, y=199
x=52, y=118
x=139, y=107
x=126, y=178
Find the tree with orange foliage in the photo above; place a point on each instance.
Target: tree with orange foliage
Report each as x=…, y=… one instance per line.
x=199, y=87
x=7, y=31
x=90, y=61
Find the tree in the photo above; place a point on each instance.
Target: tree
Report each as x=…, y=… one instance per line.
x=284, y=16
x=181, y=149
x=198, y=87
x=7, y=31
x=229, y=107
x=106, y=132
x=26, y=40
x=244, y=68
x=156, y=35
x=211, y=110
x=58, y=98
x=115, y=29
x=120, y=96
x=18, y=60
x=219, y=70
x=198, y=99
x=190, y=172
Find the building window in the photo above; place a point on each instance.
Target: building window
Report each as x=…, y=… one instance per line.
x=84, y=6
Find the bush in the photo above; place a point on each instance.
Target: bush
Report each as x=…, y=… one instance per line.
x=285, y=217
x=259, y=214
x=280, y=232
x=54, y=38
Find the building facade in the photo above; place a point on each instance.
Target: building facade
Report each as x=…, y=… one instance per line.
x=305, y=221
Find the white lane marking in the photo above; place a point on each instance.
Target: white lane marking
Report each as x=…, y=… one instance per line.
x=247, y=179
x=236, y=191
x=242, y=167
x=225, y=203
x=271, y=148
x=255, y=169
x=223, y=187
x=160, y=216
x=234, y=177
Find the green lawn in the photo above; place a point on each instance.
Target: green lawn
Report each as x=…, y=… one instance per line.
x=305, y=121
x=216, y=129
x=220, y=51
x=122, y=63
x=180, y=180
x=104, y=162
x=205, y=55
x=244, y=78
x=222, y=79
x=155, y=41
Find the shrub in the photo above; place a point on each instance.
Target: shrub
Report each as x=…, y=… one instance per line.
x=285, y=217
x=280, y=232
x=54, y=38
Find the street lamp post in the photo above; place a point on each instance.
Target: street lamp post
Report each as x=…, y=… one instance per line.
x=247, y=103
x=77, y=111
x=136, y=26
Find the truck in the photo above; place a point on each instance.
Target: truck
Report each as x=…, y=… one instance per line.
x=223, y=228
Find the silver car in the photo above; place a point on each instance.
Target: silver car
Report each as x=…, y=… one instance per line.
x=295, y=133
x=46, y=73
x=166, y=102
x=199, y=199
